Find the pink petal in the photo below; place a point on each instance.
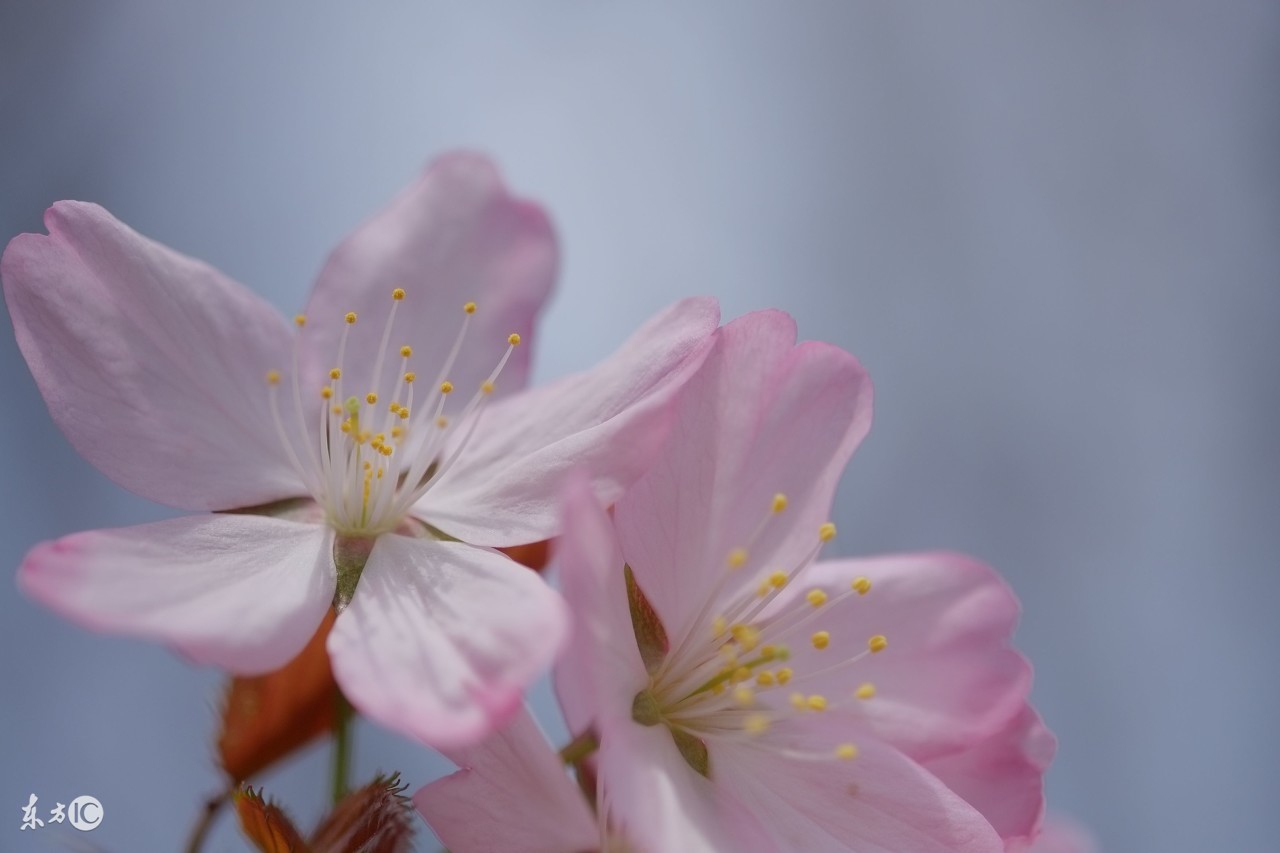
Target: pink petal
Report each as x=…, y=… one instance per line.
x=1003, y=776
x=243, y=592
x=512, y=793
x=610, y=421
x=601, y=661
x=761, y=417
x=879, y=802
x=1063, y=836
x=152, y=363
x=455, y=236
x=442, y=638
x=948, y=677
x=652, y=798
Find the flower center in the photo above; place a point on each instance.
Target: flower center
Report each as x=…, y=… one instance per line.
x=373, y=451
x=742, y=669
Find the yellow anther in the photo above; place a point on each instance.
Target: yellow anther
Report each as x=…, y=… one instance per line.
x=410, y=376
x=779, y=502
x=798, y=701
x=865, y=690
x=820, y=639
x=737, y=558
x=827, y=532
x=300, y=320
x=406, y=351
x=746, y=636
x=380, y=437
x=404, y=412
x=878, y=643
x=350, y=318
x=755, y=724
x=862, y=585
x=442, y=422
x=740, y=674
x=470, y=308
x=273, y=377
x=816, y=597
x=397, y=294
x=446, y=387
x=778, y=580
x=337, y=410
x=326, y=392
x=768, y=652
x=385, y=450
x=817, y=702
x=486, y=387
x=718, y=626
x=513, y=339
x=396, y=431
x=345, y=426
x=381, y=471
x=784, y=675
x=364, y=436
x=765, y=678
x=335, y=373
x=763, y=590
x=371, y=398
x=743, y=695
x=846, y=752
x=730, y=653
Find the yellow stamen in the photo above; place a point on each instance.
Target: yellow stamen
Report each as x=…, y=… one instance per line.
x=470, y=308
x=718, y=626
x=865, y=690
x=878, y=643
x=744, y=696
x=765, y=678
x=446, y=387
x=335, y=373
x=821, y=639
x=784, y=675
x=300, y=320
x=817, y=702
x=746, y=636
x=397, y=294
x=740, y=674
x=486, y=387
x=779, y=502
x=755, y=724
x=273, y=377
x=827, y=532
x=816, y=597
x=846, y=752
x=778, y=580
x=862, y=585
x=737, y=557
x=371, y=398
x=513, y=339
x=410, y=376
x=350, y=318
x=798, y=701
x=326, y=392
x=406, y=351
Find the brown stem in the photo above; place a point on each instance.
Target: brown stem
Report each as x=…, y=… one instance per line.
x=205, y=822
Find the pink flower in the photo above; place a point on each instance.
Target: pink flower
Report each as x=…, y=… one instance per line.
x=763, y=701
x=386, y=433
x=1063, y=836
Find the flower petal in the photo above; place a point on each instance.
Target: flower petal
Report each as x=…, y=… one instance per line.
x=455, y=236
x=761, y=417
x=1062, y=836
x=152, y=363
x=609, y=420
x=880, y=802
x=243, y=592
x=441, y=638
x=1003, y=776
x=512, y=793
x=601, y=662
x=948, y=677
x=652, y=798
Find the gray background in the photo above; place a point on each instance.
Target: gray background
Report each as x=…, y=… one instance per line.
x=1049, y=230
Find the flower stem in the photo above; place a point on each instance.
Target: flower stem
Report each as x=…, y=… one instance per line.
x=577, y=750
x=341, y=749
x=204, y=823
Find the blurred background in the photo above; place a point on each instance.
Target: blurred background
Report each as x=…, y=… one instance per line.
x=1051, y=231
